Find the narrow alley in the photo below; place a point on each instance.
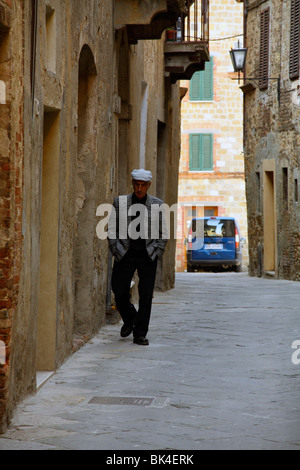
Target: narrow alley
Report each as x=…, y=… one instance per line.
x=219, y=373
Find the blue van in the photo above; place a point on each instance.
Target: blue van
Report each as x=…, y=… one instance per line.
x=214, y=242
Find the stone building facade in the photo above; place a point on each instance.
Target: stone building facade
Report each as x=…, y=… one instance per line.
x=272, y=136
x=86, y=95
x=212, y=112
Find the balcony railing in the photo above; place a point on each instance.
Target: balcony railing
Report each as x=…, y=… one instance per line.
x=193, y=24
x=187, y=44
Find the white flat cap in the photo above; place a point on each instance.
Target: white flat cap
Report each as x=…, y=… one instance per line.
x=141, y=175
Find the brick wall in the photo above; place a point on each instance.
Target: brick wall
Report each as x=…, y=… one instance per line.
x=11, y=162
x=77, y=24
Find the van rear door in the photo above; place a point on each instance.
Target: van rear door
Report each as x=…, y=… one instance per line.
x=212, y=239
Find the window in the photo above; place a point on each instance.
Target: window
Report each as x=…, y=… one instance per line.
x=296, y=190
x=294, y=39
x=210, y=211
x=258, y=188
x=214, y=228
x=285, y=193
x=264, y=49
x=201, y=152
x=51, y=39
x=2, y=92
x=202, y=83
x=192, y=212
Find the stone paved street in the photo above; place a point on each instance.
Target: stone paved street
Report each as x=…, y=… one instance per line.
x=218, y=374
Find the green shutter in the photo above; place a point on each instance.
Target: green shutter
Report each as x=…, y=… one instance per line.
x=195, y=87
x=201, y=152
x=202, y=83
x=194, y=151
x=207, y=81
x=207, y=152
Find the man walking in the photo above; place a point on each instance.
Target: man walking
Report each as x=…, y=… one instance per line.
x=136, y=239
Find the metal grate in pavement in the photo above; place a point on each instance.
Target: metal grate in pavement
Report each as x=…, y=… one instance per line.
x=133, y=401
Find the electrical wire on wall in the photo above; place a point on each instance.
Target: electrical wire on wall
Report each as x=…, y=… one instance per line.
x=229, y=37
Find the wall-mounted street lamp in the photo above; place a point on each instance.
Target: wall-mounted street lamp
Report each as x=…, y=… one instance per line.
x=238, y=57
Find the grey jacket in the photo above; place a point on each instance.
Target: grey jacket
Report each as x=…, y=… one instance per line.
x=120, y=219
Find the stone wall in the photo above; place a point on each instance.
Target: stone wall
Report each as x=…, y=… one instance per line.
x=11, y=184
x=79, y=109
x=272, y=149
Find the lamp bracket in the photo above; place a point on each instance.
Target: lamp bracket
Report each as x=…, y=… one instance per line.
x=258, y=79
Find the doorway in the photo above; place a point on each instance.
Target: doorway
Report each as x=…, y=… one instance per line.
x=47, y=313
x=161, y=160
x=123, y=171
x=160, y=186
x=144, y=120
x=269, y=222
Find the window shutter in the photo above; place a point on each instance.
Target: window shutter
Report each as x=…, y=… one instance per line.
x=195, y=87
x=264, y=49
x=207, y=154
x=202, y=83
x=195, y=152
x=201, y=152
x=208, y=81
x=294, y=39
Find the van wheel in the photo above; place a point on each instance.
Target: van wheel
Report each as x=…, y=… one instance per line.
x=238, y=269
x=190, y=269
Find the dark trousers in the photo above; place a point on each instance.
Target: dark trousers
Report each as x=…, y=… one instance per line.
x=122, y=275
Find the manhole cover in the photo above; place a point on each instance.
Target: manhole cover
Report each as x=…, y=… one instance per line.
x=133, y=401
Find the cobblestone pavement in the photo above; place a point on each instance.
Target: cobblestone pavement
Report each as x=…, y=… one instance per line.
x=218, y=374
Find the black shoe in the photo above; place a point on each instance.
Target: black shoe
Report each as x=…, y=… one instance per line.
x=126, y=330
x=141, y=340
